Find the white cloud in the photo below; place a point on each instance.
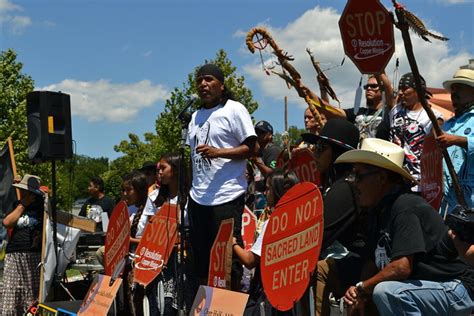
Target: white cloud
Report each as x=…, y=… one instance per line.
x=103, y=100
x=457, y=1
x=15, y=23
x=147, y=54
x=318, y=30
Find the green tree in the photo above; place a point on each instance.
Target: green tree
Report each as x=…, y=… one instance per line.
x=14, y=87
x=294, y=134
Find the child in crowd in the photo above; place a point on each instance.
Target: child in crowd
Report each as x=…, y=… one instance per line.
x=162, y=292
x=277, y=184
x=134, y=192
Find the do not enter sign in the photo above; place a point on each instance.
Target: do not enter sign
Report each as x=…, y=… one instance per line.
x=291, y=245
x=367, y=35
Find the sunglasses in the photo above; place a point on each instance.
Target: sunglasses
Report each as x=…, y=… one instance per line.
x=359, y=177
x=372, y=86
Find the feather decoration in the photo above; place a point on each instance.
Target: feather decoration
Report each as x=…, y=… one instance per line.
x=419, y=27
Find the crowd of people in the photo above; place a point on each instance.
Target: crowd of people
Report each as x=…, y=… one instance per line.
x=385, y=249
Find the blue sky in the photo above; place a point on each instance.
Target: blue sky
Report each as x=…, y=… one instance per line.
x=119, y=59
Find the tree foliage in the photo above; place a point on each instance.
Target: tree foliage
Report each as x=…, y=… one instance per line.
x=14, y=87
x=294, y=134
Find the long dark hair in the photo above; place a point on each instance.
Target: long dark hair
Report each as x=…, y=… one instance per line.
x=137, y=180
x=281, y=181
x=173, y=160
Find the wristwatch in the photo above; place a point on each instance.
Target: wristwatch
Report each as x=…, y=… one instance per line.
x=360, y=287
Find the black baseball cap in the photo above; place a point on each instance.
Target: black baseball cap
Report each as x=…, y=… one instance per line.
x=264, y=126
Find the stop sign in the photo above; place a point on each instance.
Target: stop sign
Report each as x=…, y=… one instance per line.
x=367, y=35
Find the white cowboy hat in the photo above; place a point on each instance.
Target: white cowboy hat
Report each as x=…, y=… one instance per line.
x=380, y=153
x=464, y=75
x=29, y=183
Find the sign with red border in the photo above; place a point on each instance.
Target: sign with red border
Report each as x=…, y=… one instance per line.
x=117, y=240
x=367, y=35
x=249, y=227
x=221, y=256
x=291, y=245
x=156, y=245
x=431, y=182
x=303, y=164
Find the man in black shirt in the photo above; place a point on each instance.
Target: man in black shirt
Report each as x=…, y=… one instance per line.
x=267, y=154
x=369, y=120
x=418, y=271
x=97, y=203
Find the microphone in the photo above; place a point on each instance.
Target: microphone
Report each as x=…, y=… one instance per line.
x=183, y=115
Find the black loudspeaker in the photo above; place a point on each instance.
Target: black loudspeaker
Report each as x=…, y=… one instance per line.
x=49, y=126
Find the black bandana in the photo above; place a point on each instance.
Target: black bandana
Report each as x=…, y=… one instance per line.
x=212, y=70
x=408, y=81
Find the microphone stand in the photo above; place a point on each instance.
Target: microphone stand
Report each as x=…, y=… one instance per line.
x=184, y=118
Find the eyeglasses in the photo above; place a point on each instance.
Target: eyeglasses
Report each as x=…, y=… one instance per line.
x=359, y=177
x=372, y=86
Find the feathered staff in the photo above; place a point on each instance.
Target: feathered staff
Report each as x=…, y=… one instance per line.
x=294, y=78
x=323, y=80
x=408, y=20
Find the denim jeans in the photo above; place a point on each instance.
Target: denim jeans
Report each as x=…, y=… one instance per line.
x=419, y=297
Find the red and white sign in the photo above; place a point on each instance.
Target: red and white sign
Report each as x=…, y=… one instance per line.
x=291, y=245
x=156, y=244
x=117, y=240
x=249, y=227
x=303, y=164
x=431, y=172
x=367, y=35
x=221, y=256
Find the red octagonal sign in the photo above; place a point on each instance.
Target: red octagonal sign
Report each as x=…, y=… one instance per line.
x=367, y=35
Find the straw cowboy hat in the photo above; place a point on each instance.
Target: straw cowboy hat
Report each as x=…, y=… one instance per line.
x=29, y=183
x=379, y=153
x=464, y=75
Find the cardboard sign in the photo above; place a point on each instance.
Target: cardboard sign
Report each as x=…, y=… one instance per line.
x=249, y=227
x=156, y=245
x=221, y=256
x=367, y=35
x=117, y=240
x=215, y=301
x=100, y=296
x=431, y=182
x=291, y=245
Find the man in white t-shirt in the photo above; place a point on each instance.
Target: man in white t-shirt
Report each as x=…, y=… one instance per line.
x=410, y=124
x=221, y=136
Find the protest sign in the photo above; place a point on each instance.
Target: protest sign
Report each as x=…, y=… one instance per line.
x=221, y=256
x=117, y=240
x=156, y=244
x=431, y=181
x=249, y=227
x=215, y=301
x=367, y=35
x=100, y=296
x=291, y=245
